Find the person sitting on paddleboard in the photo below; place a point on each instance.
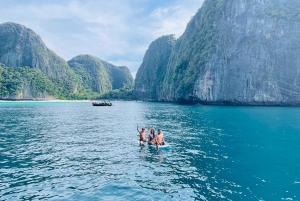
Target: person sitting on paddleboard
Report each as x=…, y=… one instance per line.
x=142, y=135
x=151, y=137
x=160, y=140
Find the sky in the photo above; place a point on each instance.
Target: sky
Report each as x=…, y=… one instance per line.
x=117, y=31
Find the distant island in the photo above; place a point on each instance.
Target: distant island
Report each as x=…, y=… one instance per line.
x=232, y=53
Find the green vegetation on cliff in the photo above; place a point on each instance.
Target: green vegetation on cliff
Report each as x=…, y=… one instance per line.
x=14, y=81
x=285, y=10
x=195, y=48
x=92, y=72
x=100, y=76
x=31, y=71
x=232, y=52
x=120, y=76
x=20, y=46
x=152, y=72
x=170, y=68
x=26, y=82
x=118, y=94
x=9, y=81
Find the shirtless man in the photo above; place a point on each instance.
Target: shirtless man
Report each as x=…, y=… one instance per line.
x=142, y=135
x=160, y=140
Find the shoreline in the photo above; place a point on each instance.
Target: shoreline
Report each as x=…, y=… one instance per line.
x=198, y=103
x=57, y=100
x=50, y=100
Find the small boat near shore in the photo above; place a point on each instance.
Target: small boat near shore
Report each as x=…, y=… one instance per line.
x=102, y=104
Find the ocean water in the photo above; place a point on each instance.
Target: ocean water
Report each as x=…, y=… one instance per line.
x=74, y=151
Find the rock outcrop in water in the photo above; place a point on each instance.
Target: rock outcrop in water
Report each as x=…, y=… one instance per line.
x=237, y=52
x=151, y=74
x=100, y=76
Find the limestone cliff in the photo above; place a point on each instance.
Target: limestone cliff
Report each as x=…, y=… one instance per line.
x=257, y=55
x=26, y=83
x=92, y=72
x=100, y=76
x=29, y=70
x=151, y=74
x=237, y=52
x=120, y=76
x=20, y=46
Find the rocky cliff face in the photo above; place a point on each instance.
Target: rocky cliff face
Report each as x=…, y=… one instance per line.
x=26, y=83
x=238, y=52
x=29, y=70
x=120, y=76
x=92, y=72
x=256, y=59
x=20, y=46
x=151, y=74
x=100, y=76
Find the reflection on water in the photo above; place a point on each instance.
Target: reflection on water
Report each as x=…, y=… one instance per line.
x=73, y=151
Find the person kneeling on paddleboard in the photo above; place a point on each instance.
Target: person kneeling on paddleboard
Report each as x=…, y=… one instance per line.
x=160, y=140
x=151, y=137
x=142, y=135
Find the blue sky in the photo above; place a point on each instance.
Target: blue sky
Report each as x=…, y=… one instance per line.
x=117, y=31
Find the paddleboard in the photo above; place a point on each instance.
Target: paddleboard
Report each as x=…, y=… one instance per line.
x=165, y=147
x=161, y=146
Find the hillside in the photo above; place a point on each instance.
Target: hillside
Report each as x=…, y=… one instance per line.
x=29, y=70
x=100, y=76
x=151, y=74
x=20, y=46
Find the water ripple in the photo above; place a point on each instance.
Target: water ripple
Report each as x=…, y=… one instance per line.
x=73, y=151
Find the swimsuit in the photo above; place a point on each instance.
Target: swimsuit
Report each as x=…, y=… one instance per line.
x=151, y=139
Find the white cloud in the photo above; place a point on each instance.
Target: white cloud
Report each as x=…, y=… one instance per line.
x=173, y=19
x=116, y=30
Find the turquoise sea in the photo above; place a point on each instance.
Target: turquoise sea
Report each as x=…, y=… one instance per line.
x=74, y=151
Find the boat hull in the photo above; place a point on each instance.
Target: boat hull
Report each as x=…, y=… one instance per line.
x=102, y=104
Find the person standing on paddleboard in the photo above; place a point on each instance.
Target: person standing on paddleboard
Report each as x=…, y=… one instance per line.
x=142, y=135
x=160, y=140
